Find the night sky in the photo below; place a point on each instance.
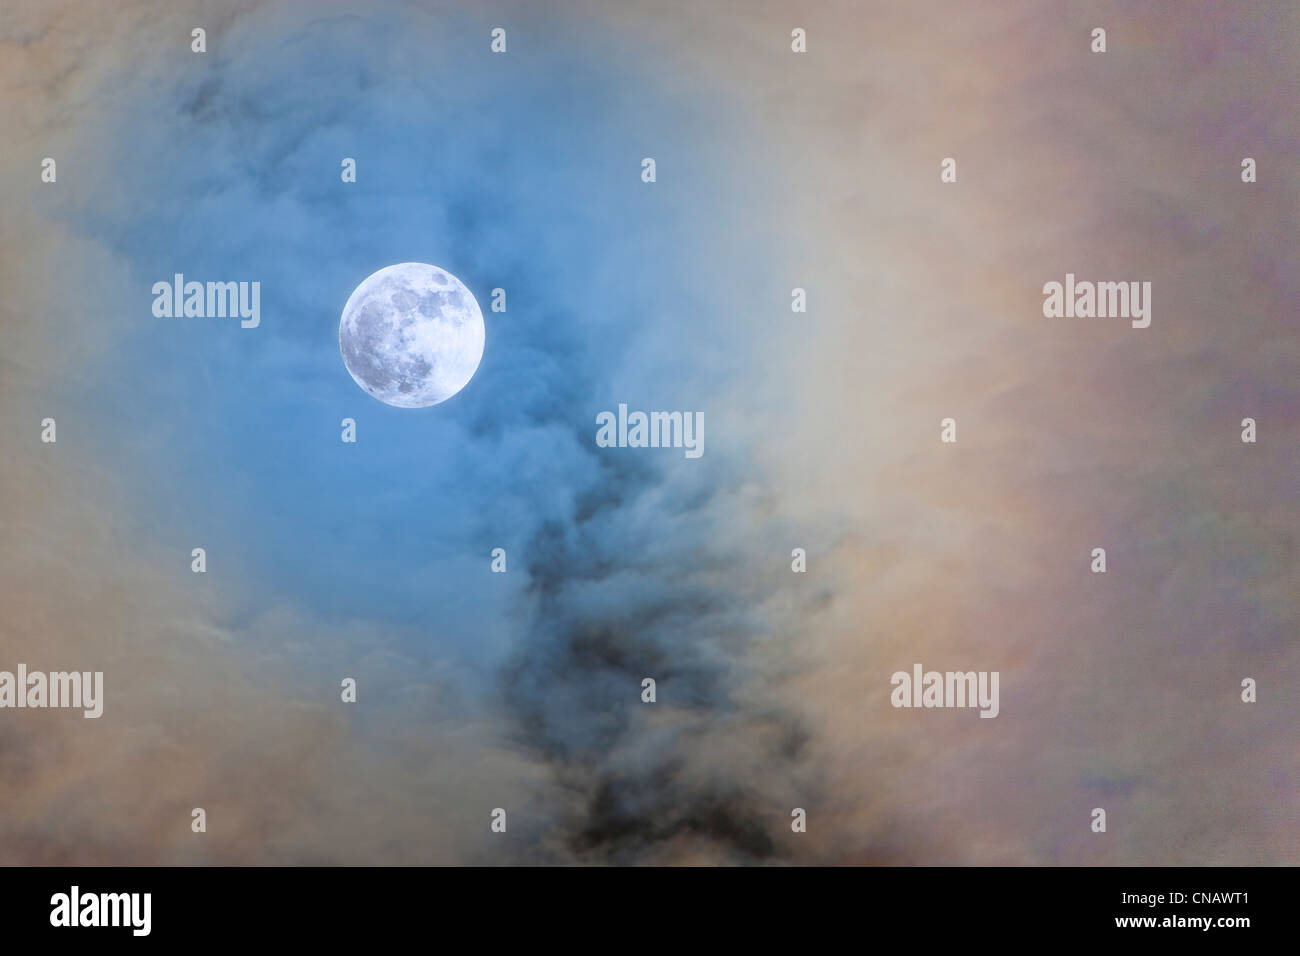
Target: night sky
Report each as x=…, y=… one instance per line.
x=521, y=690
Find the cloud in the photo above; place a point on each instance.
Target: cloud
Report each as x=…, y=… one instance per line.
x=523, y=690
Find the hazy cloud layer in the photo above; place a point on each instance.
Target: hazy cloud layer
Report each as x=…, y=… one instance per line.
x=522, y=690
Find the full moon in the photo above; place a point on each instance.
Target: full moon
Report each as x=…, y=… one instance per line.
x=411, y=335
